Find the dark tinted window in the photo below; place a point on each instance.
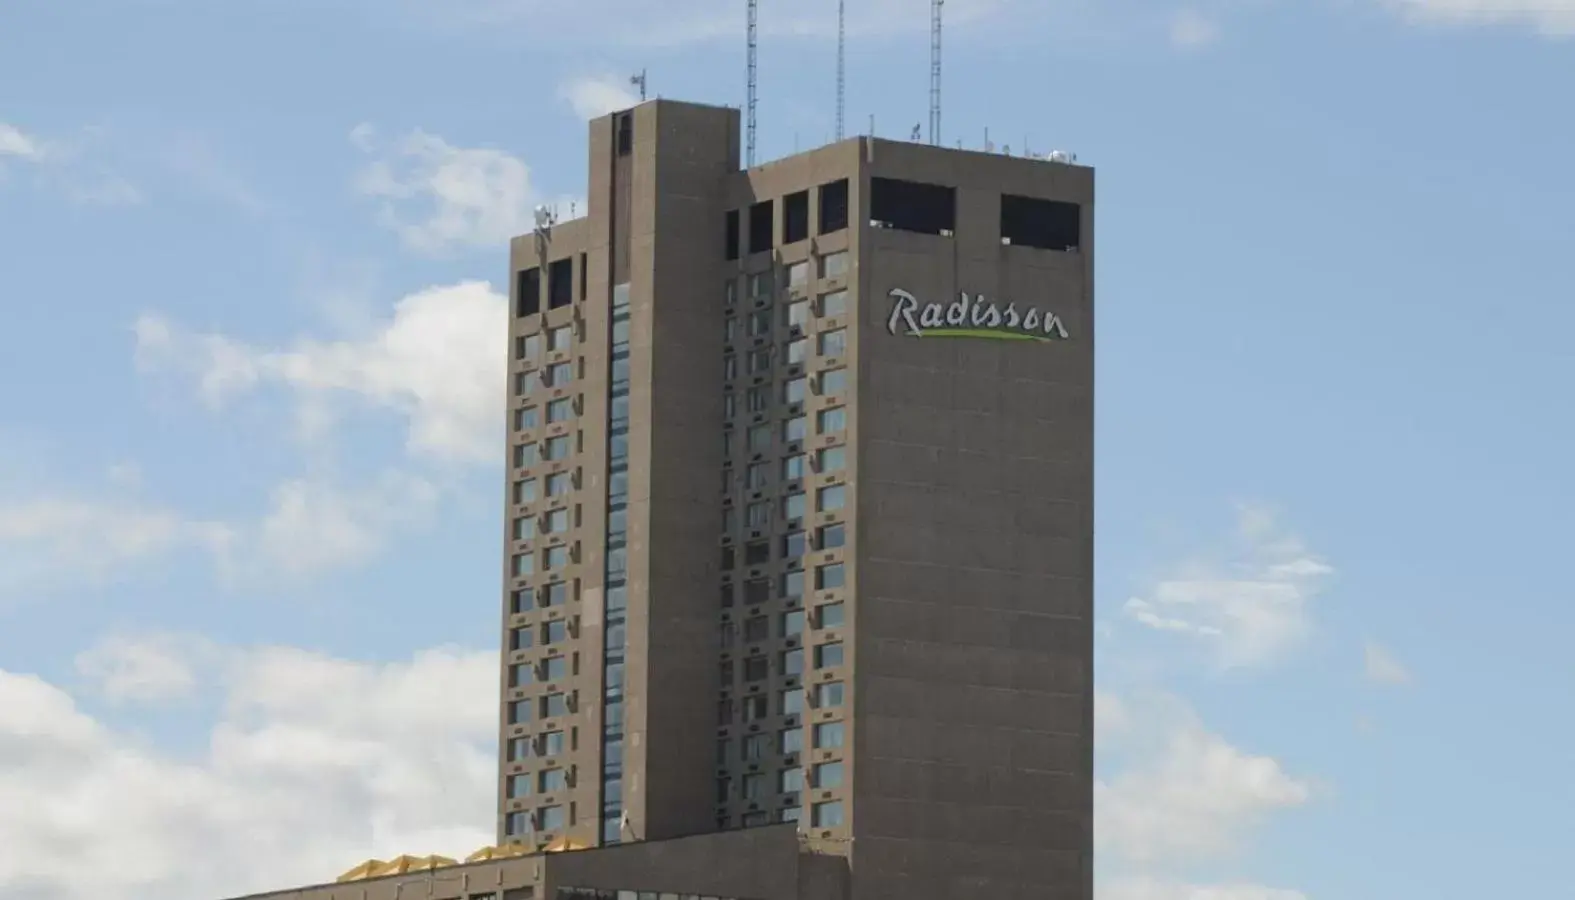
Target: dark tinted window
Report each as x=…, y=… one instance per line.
x=527, y=296
x=730, y=242
x=760, y=226
x=913, y=206
x=834, y=206
x=795, y=217
x=1047, y=224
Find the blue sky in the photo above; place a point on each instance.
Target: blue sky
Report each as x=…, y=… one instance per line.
x=250, y=256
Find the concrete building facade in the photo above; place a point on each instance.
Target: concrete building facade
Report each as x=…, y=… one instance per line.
x=799, y=523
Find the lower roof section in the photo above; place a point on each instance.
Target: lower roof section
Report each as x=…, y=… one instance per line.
x=769, y=863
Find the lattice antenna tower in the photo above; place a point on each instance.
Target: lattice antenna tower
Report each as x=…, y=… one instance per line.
x=842, y=63
x=935, y=72
x=749, y=113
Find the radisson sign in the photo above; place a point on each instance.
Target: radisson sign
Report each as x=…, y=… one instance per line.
x=971, y=317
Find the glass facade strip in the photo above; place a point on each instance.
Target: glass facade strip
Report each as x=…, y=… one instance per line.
x=615, y=587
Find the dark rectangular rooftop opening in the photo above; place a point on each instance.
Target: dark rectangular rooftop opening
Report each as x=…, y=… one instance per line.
x=585, y=274
x=1046, y=224
x=834, y=206
x=913, y=206
x=560, y=283
x=624, y=137
x=527, y=292
x=730, y=243
x=795, y=217
x=760, y=226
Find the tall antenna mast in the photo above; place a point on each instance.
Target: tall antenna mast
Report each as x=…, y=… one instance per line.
x=750, y=113
x=842, y=64
x=935, y=72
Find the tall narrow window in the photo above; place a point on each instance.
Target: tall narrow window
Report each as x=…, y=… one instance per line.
x=730, y=242
x=761, y=223
x=834, y=206
x=527, y=292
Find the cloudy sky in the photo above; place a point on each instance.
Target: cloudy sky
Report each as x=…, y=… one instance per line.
x=251, y=256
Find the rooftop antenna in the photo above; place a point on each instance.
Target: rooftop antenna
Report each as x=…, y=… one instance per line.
x=935, y=72
x=842, y=62
x=639, y=82
x=750, y=114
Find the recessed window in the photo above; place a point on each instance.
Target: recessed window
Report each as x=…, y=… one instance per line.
x=519, y=712
x=757, y=553
x=552, y=818
x=760, y=360
x=522, y=384
x=761, y=226
x=834, y=206
x=730, y=329
x=527, y=292
x=556, y=448
x=552, y=743
x=828, y=735
x=796, y=276
x=795, y=429
x=829, y=615
x=525, y=418
x=913, y=206
x=555, y=593
x=556, y=704
x=827, y=775
x=756, y=747
x=729, y=367
x=756, y=476
x=792, y=623
x=790, y=814
x=791, y=702
x=790, y=740
x=557, y=521
x=795, y=217
x=797, y=351
x=758, y=398
x=793, y=390
x=756, y=668
x=793, y=545
x=560, y=283
x=796, y=313
x=833, y=343
x=558, y=374
x=830, y=498
x=760, y=323
x=554, y=780
x=518, y=749
x=753, y=787
x=834, y=303
x=790, y=781
x=529, y=346
x=833, y=419
x=730, y=240
x=829, y=577
x=828, y=656
x=793, y=506
x=729, y=406
x=792, y=584
x=559, y=483
x=522, y=600
x=524, y=490
x=760, y=285
x=1045, y=224
x=554, y=632
x=517, y=823
x=829, y=694
x=755, y=819
x=730, y=291
x=757, y=629
x=524, y=455
x=793, y=467
x=757, y=514
x=756, y=708
x=560, y=410
x=554, y=668
x=555, y=557
x=793, y=662
x=759, y=438
x=830, y=459
x=757, y=591
x=834, y=265
x=523, y=564
x=833, y=381
x=520, y=674
x=524, y=528
x=518, y=786
x=521, y=638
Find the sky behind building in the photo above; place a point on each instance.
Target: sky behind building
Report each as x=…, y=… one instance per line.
x=252, y=257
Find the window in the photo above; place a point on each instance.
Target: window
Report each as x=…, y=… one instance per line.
x=521, y=638
x=757, y=591
x=724, y=671
x=522, y=383
x=759, y=438
x=795, y=429
x=519, y=749
x=796, y=313
x=760, y=360
x=760, y=285
x=560, y=410
x=791, y=701
x=730, y=327
x=528, y=346
x=795, y=217
x=519, y=711
x=524, y=528
x=556, y=448
x=793, y=467
x=798, y=351
x=730, y=291
x=523, y=564
x=554, y=705
x=755, y=476
x=555, y=593
x=1045, y=224
x=527, y=292
x=723, y=789
x=516, y=823
x=793, y=506
x=830, y=459
x=834, y=206
x=833, y=343
x=557, y=521
x=913, y=206
x=828, y=735
x=792, y=623
x=554, y=632
x=793, y=662
x=791, y=814
x=833, y=419
x=793, y=544
x=828, y=656
x=826, y=815
x=753, y=787
x=833, y=381
x=760, y=323
x=525, y=418
x=552, y=817
x=834, y=303
x=757, y=553
x=559, y=484
x=755, y=747
x=796, y=276
x=552, y=743
x=560, y=338
x=558, y=374
x=729, y=405
x=790, y=740
x=524, y=455
x=793, y=584
x=827, y=775
x=556, y=558
x=829, y=615
x=553, y=780
x=724, y=712
x=729, y=366
x=829, y=577
x=521, y=674
x=730, y=241
x=761, y=226
x=834, y=265
x=755, y=819
x=829, y=498
x=522, y=600
x=555, y=668
x=755, y=708
x=756, y=668
x=758, y=514
x=759, y=398
x=793, y=391
x=828, y=694
x=624, y=138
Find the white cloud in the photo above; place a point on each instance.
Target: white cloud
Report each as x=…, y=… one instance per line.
x=18, y=144
x=314, y=525
x=440, y=361
x=1554, y=18
x=1382, y=667
x=144, y=668
x=1249, y=611
x=67, y=167
x=315, y=764
x=45, y=536
x=438, y=197
x=1140, y=888
x=1191, y=29
x=594, y=96
x=1183, y=793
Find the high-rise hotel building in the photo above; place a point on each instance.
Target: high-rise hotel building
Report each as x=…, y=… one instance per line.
x=798, y=550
